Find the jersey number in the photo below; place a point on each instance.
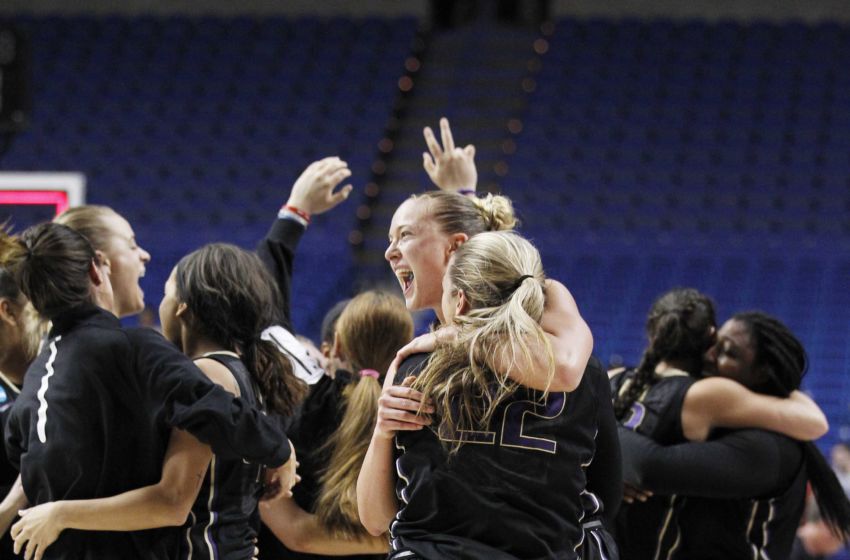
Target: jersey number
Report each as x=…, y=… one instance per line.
x=638, y=411
x=515, y=418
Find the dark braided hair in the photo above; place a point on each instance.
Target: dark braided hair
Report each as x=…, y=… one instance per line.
x=778, y=354
x=232, y=299
x=782, y=359
x=679, y=329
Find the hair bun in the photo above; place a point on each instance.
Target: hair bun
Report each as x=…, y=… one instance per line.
x=497, y=211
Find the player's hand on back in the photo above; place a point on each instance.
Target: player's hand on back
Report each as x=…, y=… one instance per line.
x=399, y=409
x=632, y=494
x=423, y=343
x=450, y=168
x=313, y=192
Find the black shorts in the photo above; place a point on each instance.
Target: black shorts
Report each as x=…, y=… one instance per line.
x=598, y=543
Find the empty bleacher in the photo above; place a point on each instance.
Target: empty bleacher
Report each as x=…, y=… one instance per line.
x=196, y=128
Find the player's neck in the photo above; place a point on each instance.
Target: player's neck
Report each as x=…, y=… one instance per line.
x=665, y=365
x=195, y=347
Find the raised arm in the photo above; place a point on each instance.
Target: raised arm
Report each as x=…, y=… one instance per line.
x=312, y=194
x=730, y=467
x=301, y=531
x=450, y=168
x=720, y=402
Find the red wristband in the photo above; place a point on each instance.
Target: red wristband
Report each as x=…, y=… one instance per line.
x=298, y=212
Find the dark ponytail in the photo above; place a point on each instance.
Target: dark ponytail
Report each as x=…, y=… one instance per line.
x=680, y=328
x=272, y=371
x=232, y=298
x=831, y=499
x=50, y=263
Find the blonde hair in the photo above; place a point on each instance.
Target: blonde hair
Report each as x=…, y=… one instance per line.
x=455, y=213
x=89, y=221
x=34, y=328
x=371, y=329
x=501, y=276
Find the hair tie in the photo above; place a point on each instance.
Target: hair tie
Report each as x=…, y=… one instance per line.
x=519, y=282
x=369, y=373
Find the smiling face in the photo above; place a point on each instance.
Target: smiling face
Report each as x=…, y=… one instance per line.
x=127, y=263
x=733, y=355
x=419, y=254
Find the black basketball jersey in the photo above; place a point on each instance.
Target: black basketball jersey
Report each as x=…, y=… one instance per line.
x=94, y=418
x=317, y=419
x=9, y=391
x=762, y=528
x=657, y=413
x=224, y=520
x=511, y=491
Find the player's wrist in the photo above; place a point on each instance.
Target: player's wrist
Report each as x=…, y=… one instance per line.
x=382, y=436
x=293, y=212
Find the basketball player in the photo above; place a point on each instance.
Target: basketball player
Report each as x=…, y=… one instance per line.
x=98, y=403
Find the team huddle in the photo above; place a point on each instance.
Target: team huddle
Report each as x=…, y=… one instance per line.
x=497, y=435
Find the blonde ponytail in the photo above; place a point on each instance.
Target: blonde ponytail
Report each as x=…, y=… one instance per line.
x=336, y=505
x=501, y=276
x=371, y=329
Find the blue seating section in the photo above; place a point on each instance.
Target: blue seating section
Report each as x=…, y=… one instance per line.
x=656, y=155
x=652, y=155
x=195, y=129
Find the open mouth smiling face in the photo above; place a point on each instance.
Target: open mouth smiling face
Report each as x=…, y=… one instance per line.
x=405, y=279
x=418, y=254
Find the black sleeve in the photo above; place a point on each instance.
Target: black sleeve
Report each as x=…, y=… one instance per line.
x=14, y=438
x=738, y=465
x=277, y=251
x=183, y=396
x=605, y=473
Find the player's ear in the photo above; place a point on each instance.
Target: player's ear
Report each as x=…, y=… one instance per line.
x=462, y=303
x=337, y=351
x=8, y=313
x=96, y=275
x=455, y=242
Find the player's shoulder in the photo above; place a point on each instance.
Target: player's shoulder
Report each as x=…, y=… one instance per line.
x=412, y=365
x=97, y=339
x=150, y=346
x=595, y=376
x=145, y=334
